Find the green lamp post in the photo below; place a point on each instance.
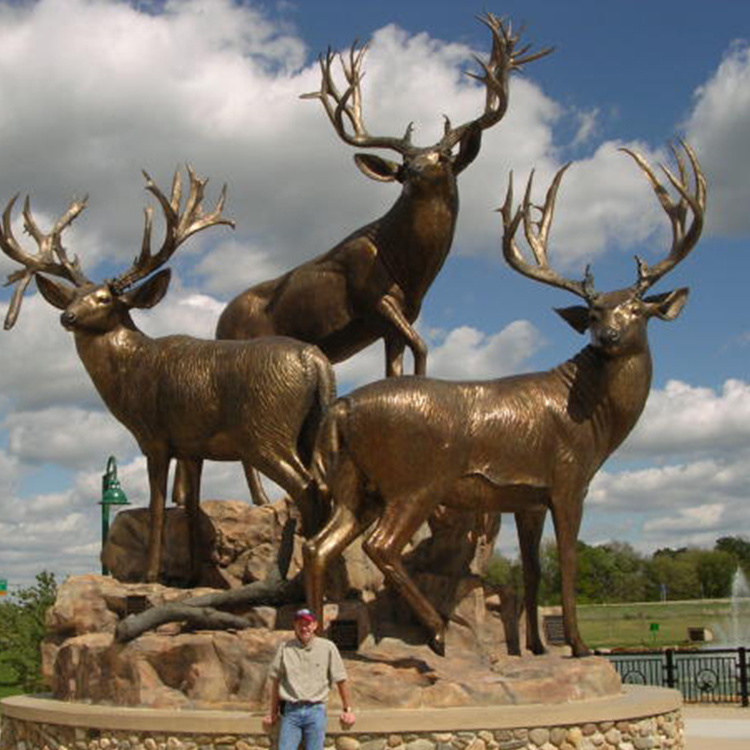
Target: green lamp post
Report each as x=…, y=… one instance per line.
x=112, y=494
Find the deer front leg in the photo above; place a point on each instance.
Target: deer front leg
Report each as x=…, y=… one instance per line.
x=391, y=310
x=158, y=466
x=530, y=525
x=566, y=513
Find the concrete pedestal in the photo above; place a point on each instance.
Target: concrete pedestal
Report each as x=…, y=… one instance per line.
x=639, y=718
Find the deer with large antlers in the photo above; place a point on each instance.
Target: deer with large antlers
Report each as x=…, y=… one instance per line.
x=389, y=453
x=370, y=286
x=257, y=402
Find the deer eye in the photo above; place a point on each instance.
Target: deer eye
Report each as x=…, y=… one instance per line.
x=103, y=298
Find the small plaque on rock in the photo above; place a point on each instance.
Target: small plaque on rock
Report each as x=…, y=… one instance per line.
x=345, y=634
x=554, y=631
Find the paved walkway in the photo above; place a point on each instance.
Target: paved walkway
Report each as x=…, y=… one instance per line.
x=716, y=727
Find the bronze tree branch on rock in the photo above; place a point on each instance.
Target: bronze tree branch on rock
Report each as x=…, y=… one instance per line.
x=258, y=402
x=392, y=451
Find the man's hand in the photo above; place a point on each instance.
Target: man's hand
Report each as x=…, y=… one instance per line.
x=269, y=720
x=347, y=718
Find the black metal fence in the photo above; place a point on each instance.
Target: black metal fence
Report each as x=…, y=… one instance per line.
x=717, y=675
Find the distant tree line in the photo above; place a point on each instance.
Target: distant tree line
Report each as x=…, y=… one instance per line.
x=615, y=572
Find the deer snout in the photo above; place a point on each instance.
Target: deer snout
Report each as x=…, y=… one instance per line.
x=609, y=337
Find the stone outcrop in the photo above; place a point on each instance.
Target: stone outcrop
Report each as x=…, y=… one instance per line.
x=177, y=665
x=241, y=542
x=176, y=668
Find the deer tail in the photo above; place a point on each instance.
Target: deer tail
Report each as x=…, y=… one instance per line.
x=327, y=446
x=322, y=380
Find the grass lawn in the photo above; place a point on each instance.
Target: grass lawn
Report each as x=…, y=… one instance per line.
x=629, y=625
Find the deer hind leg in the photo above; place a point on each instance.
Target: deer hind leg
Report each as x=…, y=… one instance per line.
x=340, y=531
x=390, y=309
x=566, y=513
x=530, y=525
x=158, y=467
x=254, y=484
x=384, y=545
x=285, y=468
x=192, y=470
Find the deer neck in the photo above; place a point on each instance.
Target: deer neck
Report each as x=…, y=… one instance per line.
x=112, y=360
x=607, y=393
x=414, y=237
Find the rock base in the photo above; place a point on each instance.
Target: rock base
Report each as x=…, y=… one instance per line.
x=389, y=667
x=225, y=670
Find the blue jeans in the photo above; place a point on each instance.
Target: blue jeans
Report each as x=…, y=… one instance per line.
x=300, y=720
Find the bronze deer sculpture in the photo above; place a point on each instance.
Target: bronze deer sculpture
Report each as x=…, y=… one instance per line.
x=371, y=284
x=258, y=402
x=392, y=451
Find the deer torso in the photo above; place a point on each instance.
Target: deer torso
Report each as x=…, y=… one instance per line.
x=196, y=397
x=520, y=431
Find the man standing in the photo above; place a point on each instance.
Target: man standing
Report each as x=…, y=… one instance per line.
x=302, y=674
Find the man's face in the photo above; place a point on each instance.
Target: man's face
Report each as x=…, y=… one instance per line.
x=305, y=629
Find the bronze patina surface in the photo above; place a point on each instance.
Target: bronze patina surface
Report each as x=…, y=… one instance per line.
x=391, y=452
x=371, y=285
x=257, y=402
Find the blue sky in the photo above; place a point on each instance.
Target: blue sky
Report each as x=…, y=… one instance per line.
x=94, y=91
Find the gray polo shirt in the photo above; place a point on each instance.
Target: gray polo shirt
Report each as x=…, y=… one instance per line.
x=306, y=673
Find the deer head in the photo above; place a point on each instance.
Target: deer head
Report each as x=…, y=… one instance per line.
x=615, y=320
x=422, y=166
x=101, y=307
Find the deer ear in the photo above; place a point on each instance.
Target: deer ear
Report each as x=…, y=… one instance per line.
x=468, y=149
x=576, y=317
x=150, y=292
x=669, y=305
x=58, y=295
x=377, y=168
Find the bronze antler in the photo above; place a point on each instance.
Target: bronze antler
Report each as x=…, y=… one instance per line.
x=340, y=108
x=179, y=226
x=682, y=241
x=348, y=105
x=504, y=59
x=51, y=258
x=537, y=235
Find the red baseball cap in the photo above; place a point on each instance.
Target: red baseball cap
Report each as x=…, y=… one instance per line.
x=305, y=614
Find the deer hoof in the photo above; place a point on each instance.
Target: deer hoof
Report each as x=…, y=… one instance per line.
x=437, y=644
x=580, y=650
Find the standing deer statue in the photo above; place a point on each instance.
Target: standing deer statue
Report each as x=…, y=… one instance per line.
x=258, y=402
x=370, y=286
x=392, y=451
